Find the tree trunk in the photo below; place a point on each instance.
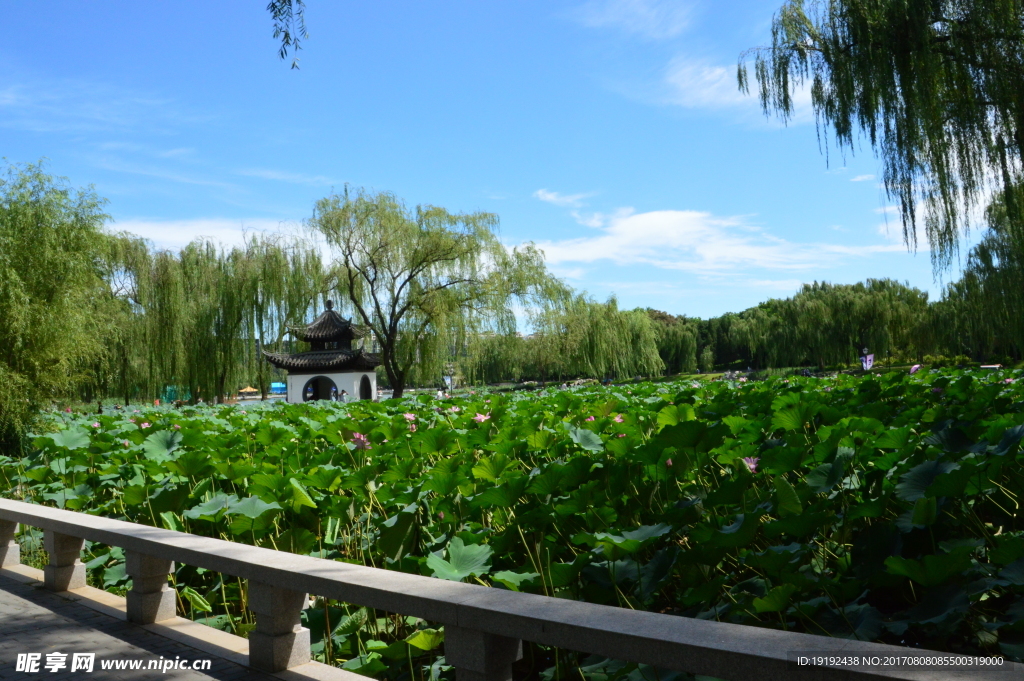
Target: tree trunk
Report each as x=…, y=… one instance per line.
x=395, y=377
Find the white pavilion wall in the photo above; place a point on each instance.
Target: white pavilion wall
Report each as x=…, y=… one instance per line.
x=347, y=380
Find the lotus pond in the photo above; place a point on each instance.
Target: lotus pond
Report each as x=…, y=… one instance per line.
x=882, y=507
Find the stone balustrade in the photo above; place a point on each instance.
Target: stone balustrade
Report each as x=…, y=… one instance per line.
x=484, y=627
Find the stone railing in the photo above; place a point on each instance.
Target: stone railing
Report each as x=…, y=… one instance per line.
x=484, y=627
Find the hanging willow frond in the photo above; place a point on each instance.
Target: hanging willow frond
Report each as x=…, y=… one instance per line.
x=934, y=86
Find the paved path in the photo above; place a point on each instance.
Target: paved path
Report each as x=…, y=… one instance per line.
x=33, y=620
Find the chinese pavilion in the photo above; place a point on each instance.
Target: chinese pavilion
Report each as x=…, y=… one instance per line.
x=331, y=365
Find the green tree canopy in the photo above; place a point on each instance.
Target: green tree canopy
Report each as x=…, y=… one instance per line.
x=935, y=86
x=55, y=302
x=425, y=281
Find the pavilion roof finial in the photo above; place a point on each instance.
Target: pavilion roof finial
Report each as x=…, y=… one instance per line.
x=330, y=304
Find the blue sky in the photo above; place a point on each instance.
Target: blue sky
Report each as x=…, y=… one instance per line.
x=610, y=132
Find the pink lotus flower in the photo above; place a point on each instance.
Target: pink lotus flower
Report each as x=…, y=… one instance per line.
x=668, y=462
x=618, y=418
x=743, y=379
x=412, y=427
x=177, y=427
x=751, y=462
x=455, y=409
x=440, y=515
x=361, y=441
x=67, y=410
x=145, y=425
x=135, y=411
x=1009, y=380
x=622, y=435
x=487, y=401
x=409, y=417
x=244, y=412
x=132, y=420
x=126, y=443
x=590, y=418
x=480, y=418
x=96, y=425
x=914, y=369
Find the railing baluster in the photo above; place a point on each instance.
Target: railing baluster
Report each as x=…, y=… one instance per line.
x=478, y=656
x=150, y=599
x=10, y=551
x=66, y=570
x=279, y=641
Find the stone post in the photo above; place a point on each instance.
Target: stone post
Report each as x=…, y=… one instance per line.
x=10, y=552
x=478, y=656
x=279, y=641
x=65, y=571
x=150, y=599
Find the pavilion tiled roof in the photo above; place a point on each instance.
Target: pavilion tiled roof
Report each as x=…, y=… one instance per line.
x=329, y=327
x=324, y=360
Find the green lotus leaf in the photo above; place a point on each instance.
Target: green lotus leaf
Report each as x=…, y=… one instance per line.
x=251, y=507
x=463, y=561
x=72, y=438
x=160, y=444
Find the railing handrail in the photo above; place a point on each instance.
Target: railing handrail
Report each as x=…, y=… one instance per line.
x=707, y=647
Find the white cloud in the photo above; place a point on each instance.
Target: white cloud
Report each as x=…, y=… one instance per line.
x=561, y=199
x=862, y=178
x=293, y=178
x=697, y=242
x=651, y=19
x=599, y=219
x=591, y=220
x=698, y=84
x=176, y=234
x=888, y=210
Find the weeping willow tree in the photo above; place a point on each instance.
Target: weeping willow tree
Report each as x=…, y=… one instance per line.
x=425, y=281
x=195, y=320
x=677, y=341
x=587, y=338
x=934, y=86
x=55, y=304
x=982, y=314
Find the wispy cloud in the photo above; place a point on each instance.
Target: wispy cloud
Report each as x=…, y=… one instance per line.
x=862, y=178
x=650, y=19
x=699, y=84
x=696, y=83
x=129, y=167
x=176, y=234
x=66, y=105
x=284, y=176
x=182, y=152
x=790, y=285
x=697, y=242
x=558, y=199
